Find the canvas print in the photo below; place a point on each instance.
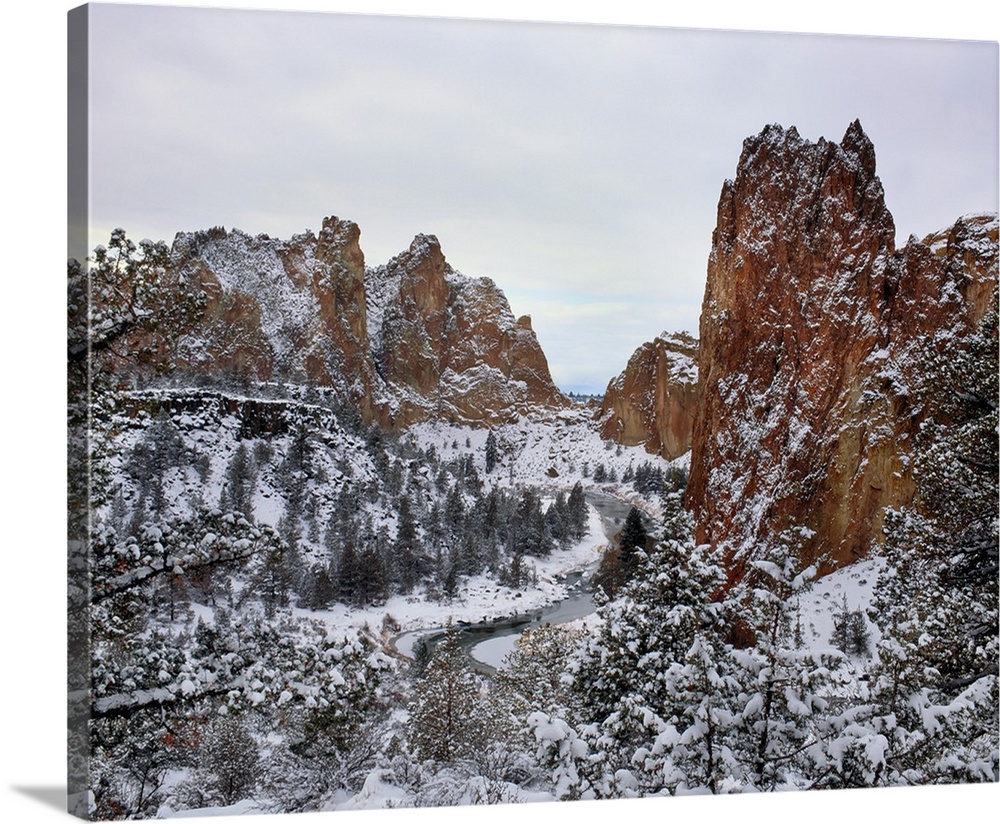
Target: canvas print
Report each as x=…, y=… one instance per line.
x=467, y=412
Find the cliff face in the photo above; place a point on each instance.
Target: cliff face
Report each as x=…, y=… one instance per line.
x=653, y=401
x=451, y=345
x=811, y=331
x=405, y=342
x=284, y=310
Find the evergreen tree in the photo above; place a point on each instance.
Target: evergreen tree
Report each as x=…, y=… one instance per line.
x=491, y=452
x=444, y=708
x=533, y=675
x=408, y=566
x=650, y=681
x=318, y=590
x=371, y=578
x=850, y=631
x=139, y=308
x=781, y=703
x=232, y=758
x=934, y=680
x=454, y=513
x=240, y=480
x=633, y=538
x=663, y=609
x=349, y=576
x=576, y=506
x=557, y=520
x=841, y=623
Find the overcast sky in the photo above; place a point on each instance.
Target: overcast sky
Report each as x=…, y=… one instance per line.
x=579, y=166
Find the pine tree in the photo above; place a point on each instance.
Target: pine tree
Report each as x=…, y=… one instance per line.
x=576, y=506
x=408, y=565
x=349, y=575
x=661, y=611
x=454, y=513
x=633, y=538
x=780, y=704
x=557, y=519
x=240, y=480
x=371, y=578
x=841, y=624
x=444, y=711
x=318, y=590
x=232, y=758
x=491, y=452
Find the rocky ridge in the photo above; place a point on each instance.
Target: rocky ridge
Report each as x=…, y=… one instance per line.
x=653, y=400
x=408, y=341
x=452, y=346
x=812, y=331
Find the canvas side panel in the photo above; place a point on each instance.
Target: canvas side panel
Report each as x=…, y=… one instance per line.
x=78, y=391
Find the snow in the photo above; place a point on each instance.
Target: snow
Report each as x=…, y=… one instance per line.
x=246, y=807
x=530, y=450
x=493, y=651
x=821, y=603
x=252, y=266
x=481, y=600
x=549, y=452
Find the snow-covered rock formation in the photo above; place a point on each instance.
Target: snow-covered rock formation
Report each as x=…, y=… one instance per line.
x=407, y=341
x=814, y=329
x=652, y=402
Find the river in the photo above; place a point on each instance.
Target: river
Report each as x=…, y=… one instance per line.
x=487, y=643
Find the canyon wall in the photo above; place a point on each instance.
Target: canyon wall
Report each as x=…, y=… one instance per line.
x=653, y=401
x=812, y=331
x=408, y=341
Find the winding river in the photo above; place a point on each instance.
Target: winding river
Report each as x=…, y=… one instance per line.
x=487, y=643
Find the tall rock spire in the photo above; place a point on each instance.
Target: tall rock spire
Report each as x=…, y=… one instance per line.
x=810, y=330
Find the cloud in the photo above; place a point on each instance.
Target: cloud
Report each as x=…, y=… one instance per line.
x=579, y=166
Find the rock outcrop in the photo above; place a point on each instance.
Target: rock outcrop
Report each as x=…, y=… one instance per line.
x=653, y=401
x=812, y=330
x=451, y=345
x=283, y=310
x=404, y=342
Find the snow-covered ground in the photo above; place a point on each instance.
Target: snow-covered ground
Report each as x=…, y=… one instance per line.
x=821, y=603
x=550, y=454
x=556, y=450
x=481, y=599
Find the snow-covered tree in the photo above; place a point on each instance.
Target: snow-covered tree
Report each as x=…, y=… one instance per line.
x=444, y=713
x=784, y=690
x=576, y=506
x=137, y=308
x=231, y=758
x=491, y=452
x=662, y=609
x=637, y=675
x=934, y=684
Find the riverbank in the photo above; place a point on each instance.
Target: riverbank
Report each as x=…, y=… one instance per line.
x=487, y=642
x=481, y=599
